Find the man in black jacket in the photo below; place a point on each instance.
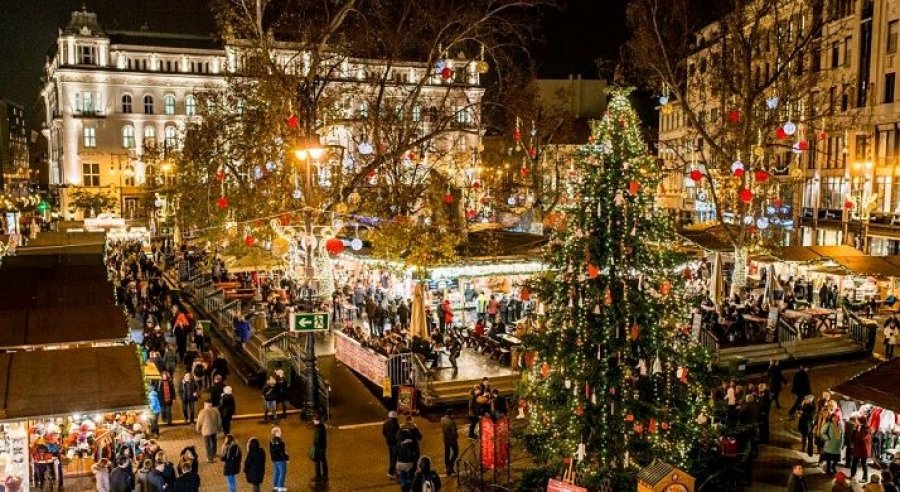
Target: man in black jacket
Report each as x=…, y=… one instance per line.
x=800, y=387
x=189, y=481
x=389, y=430
x=157, y=478
x=122, y=477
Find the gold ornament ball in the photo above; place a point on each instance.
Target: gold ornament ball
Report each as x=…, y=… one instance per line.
x=482, y=67
x=342, y=208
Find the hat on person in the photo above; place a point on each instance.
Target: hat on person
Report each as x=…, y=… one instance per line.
x=226, y=390
x=392, y=414
x=840, y=477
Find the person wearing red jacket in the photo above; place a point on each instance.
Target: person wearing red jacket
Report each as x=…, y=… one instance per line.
x=862, y=449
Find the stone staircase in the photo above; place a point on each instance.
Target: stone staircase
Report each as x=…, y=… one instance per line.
x=455, y=392
x=757, y=356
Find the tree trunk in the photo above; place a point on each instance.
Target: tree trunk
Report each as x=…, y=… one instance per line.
x=739, y=275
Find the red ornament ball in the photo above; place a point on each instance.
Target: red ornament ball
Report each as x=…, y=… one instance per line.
x=803, y=145
x=517, y=135
x=739, y=172
x=848, y=204
x=523, y=171
x=823, y=135
x=629, y=418
x=761, y=175
x=734, y=116
x=696, y=175
x=222, y=203
x=745, y=195
x=220, y=175
x=777, y=202
x=334, y=246
x=284, y=219
x=293, y=121
x=476, y=185
x=638, y=428
x=470, y=214
x=249, y=239
x=448, y=198
x=532, y=152
x=447, y=73
x=780, y=134
x=633, y=187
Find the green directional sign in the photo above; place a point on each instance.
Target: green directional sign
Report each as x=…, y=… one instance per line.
x=308, y=322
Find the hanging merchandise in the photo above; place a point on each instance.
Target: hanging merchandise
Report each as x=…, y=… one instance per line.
x=448, y=198
x=848, y=204
x=593, y=271
x=633, y=187
x=780, y=134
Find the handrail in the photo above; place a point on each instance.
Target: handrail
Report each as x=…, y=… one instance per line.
x=709, y=340
x=786, y=333
x=860, y=330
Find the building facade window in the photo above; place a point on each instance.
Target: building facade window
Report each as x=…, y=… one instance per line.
x=190, y=105
x=892, y=36
x=889, y=84
x=883, y=189
x=171, y=137
x=90, y=174
x=169, y=104
x=126, y=103
x=833, y=192
x=149, y=136
x=90, y=137
x=87, y=55
x=128, y=137
x=417, y=113
x=148, y=104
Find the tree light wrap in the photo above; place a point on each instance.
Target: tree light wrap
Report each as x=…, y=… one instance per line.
x=614, y=335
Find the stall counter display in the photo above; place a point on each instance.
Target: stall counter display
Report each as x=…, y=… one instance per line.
x=14, y=468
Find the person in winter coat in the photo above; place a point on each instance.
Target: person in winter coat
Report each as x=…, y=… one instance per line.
x=220, y=367
x=862, y=449
x=320, y=447
x=166, y=391
x=805, y=424
x=155, y=479
x=279, y=460
x=426, y=479
x=776, y=381
x=408, y=453
x=281, y=391
x=833, y=440
x=170, y=359
x=231, y=460
x=797, y=482
x=874, y=485
x=227, y=408
x=800, y=387
x=189, y=480
x=389, y=430
x=255, y=464
x=101, y=475
x=451, y=441
x=189, y=455
x=850, y=429
x=216, y=390
x=168, y=470
x=270, y=401
x=143, y=481
x=189, y=391
x=121, y=479
x=209, y=424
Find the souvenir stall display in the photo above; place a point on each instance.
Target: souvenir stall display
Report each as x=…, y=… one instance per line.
x=14, y=469
x=79, y=441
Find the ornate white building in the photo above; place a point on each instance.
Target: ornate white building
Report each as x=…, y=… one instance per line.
x=111, y=96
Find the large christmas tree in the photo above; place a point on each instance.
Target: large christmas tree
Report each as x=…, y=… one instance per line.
x=617, y=380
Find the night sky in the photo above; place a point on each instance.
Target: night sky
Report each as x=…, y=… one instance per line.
x=583, y=31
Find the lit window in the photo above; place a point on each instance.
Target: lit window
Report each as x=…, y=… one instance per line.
x=417, y=113
x=126, y=103
x=90, y=174
x=149, y=135
x=169, y=104
x=128, y=137
x=171, y=137
x=148, y=104
x=90, y=137
x=190, y=105
x=364, y=110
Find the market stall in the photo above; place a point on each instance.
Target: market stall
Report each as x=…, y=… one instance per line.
x=874, y=393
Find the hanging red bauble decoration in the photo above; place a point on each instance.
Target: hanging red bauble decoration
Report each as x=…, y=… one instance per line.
x=629, y=418
x=593, y=270
x=635, y=332
x=848, y=205
x=293, y=121
x=823, y=135
x=651, y=426
x=446, y=73
x=780, y=134
x=470, y=214
x=220, y=175
x=222, y=203
x=761, y=175
x=734, y=116
x=448, y=198
x=638, y=428
x=523, y=171
x=249, y=239
x=696, y=175
x=284, y=219
x=803, y=145
x=579, y=410
x=664, y=425
x=777, y=202
x=545, y=369
x=532, y=152
x=517, y=135
x=739, y=173
x=633, y=187
x=745, y=195
x=334, y=246
x=476, y=185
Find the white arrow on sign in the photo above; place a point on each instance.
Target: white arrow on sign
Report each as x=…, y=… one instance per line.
x=303, y=322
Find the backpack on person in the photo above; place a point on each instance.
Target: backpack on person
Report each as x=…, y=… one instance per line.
x=431, y=482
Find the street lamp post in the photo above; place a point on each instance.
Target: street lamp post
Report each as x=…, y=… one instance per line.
x=308, y=151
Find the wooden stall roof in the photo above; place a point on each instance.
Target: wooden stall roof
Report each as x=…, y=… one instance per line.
x=877, y=386
x=800, y=254
x=34, y=295
x=869, y=265
x=75, y=249
x=52, y=260
x=39, y=383
x=836, y=251
x=61, y=325
x=709, y=238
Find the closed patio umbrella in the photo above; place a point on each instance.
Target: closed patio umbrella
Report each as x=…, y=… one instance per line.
x=417, y=323
x=717, y=282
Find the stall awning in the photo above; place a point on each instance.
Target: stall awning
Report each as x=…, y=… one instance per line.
x=81, y=380
x=52, y=260
x=800, y=254
x=61, y=326
x=77, y=249
x=869, y=265
x=46, y=239
x=23, y=273
x=256, y=263
x=836, y=251
x=710, y=238
x=877, y=386
x=34, y=295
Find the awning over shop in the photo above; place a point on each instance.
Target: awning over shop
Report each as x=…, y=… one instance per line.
x=62, y=326
x=709, y=238
x=501, y=243
x=80, y=380
x=52, y=260
x=46, y=239
x=836, y=251
x=800, y=254
x=78, y=249
x=869, y=265
x=256, y=263
x=877, y=386
x=23, y=273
